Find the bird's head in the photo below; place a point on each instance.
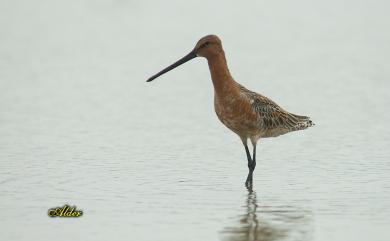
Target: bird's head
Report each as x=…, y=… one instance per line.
x=207, y=47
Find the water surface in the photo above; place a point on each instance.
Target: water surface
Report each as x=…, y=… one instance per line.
x=150, y=161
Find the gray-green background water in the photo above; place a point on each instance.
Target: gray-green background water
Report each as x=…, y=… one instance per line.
x=150, y=161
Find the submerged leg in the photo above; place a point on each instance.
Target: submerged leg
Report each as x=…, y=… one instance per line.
x=249, y=179
x=251, y=165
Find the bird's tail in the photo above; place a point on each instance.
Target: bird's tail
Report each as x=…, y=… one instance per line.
x=302, y=122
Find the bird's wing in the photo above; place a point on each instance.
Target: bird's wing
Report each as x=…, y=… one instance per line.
x=272, y=116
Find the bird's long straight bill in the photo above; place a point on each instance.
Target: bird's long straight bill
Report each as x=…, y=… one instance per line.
x=181, y=61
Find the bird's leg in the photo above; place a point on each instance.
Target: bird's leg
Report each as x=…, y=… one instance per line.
x=249, y=179
x=248, y=155
x=253, y=165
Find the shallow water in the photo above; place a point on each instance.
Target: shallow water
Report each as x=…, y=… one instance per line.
x=150, y=161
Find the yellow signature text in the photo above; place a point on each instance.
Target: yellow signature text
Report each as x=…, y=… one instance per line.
x=65, y=211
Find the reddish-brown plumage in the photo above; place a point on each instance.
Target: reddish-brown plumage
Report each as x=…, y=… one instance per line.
x=248, y=114
x=234, y=104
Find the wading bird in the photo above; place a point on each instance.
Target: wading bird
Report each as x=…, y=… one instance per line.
x=248, y=114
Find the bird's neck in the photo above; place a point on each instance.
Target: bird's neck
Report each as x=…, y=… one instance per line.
x=220, y=75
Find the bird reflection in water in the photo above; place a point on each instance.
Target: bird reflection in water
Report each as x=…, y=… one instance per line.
x=269, y=223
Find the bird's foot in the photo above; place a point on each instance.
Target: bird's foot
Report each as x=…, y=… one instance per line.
x=249, y=182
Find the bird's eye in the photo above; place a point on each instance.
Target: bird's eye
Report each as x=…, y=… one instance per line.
x=205, y=44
